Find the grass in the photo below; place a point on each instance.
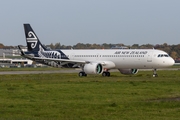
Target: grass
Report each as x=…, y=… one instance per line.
x=69, y=97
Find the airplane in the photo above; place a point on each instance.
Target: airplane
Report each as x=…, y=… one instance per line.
x=95, y=61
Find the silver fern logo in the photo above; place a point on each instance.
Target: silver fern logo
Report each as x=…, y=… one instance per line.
x=32, y=39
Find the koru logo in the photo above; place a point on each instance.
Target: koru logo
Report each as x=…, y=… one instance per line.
x=32, y=39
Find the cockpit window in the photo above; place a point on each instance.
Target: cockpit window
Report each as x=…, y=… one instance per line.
x=163, y=55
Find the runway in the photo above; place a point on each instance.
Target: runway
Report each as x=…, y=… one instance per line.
x=67, y=71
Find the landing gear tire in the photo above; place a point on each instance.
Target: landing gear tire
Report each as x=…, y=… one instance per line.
x=104, y=74
x=81, y=74
x=108, y=74
x=155, y=75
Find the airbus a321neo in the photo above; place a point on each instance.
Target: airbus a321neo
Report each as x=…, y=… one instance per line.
x=96, y=61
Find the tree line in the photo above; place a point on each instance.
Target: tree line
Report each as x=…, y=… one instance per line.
x=172, y=50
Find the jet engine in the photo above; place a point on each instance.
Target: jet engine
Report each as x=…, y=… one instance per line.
x=93, y=68
x=128, y=71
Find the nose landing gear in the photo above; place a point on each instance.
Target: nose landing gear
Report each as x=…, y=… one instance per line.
x=155, y=73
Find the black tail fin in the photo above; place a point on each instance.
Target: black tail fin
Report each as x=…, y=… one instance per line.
x=32, y=40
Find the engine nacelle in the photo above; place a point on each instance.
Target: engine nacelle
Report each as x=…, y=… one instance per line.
x=93, y=68
x=128, y=71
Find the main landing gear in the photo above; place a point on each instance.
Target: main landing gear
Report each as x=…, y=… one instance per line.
x=81, y=74
x=155, y=73
x=106, y=73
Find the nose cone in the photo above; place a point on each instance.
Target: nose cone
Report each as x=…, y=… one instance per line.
x=170, y=62
x=165, y=62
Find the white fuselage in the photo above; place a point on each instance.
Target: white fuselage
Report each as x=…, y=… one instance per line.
x=122, y=58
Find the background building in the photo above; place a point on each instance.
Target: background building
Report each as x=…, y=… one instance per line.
x=12, y=58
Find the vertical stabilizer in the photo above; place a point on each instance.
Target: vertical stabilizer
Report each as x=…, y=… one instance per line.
x=32, y=40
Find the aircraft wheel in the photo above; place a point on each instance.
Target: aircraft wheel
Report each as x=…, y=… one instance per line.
x=155, y=75
x=106, y=74
x=82, y=74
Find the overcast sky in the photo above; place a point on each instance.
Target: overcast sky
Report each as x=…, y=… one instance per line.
x=91, y=21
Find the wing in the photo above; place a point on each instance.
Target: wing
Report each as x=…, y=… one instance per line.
x=106, y=64
x=61, y=60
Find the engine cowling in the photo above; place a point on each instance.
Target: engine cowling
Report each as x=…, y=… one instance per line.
x=128, y=71
x=93, y=68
